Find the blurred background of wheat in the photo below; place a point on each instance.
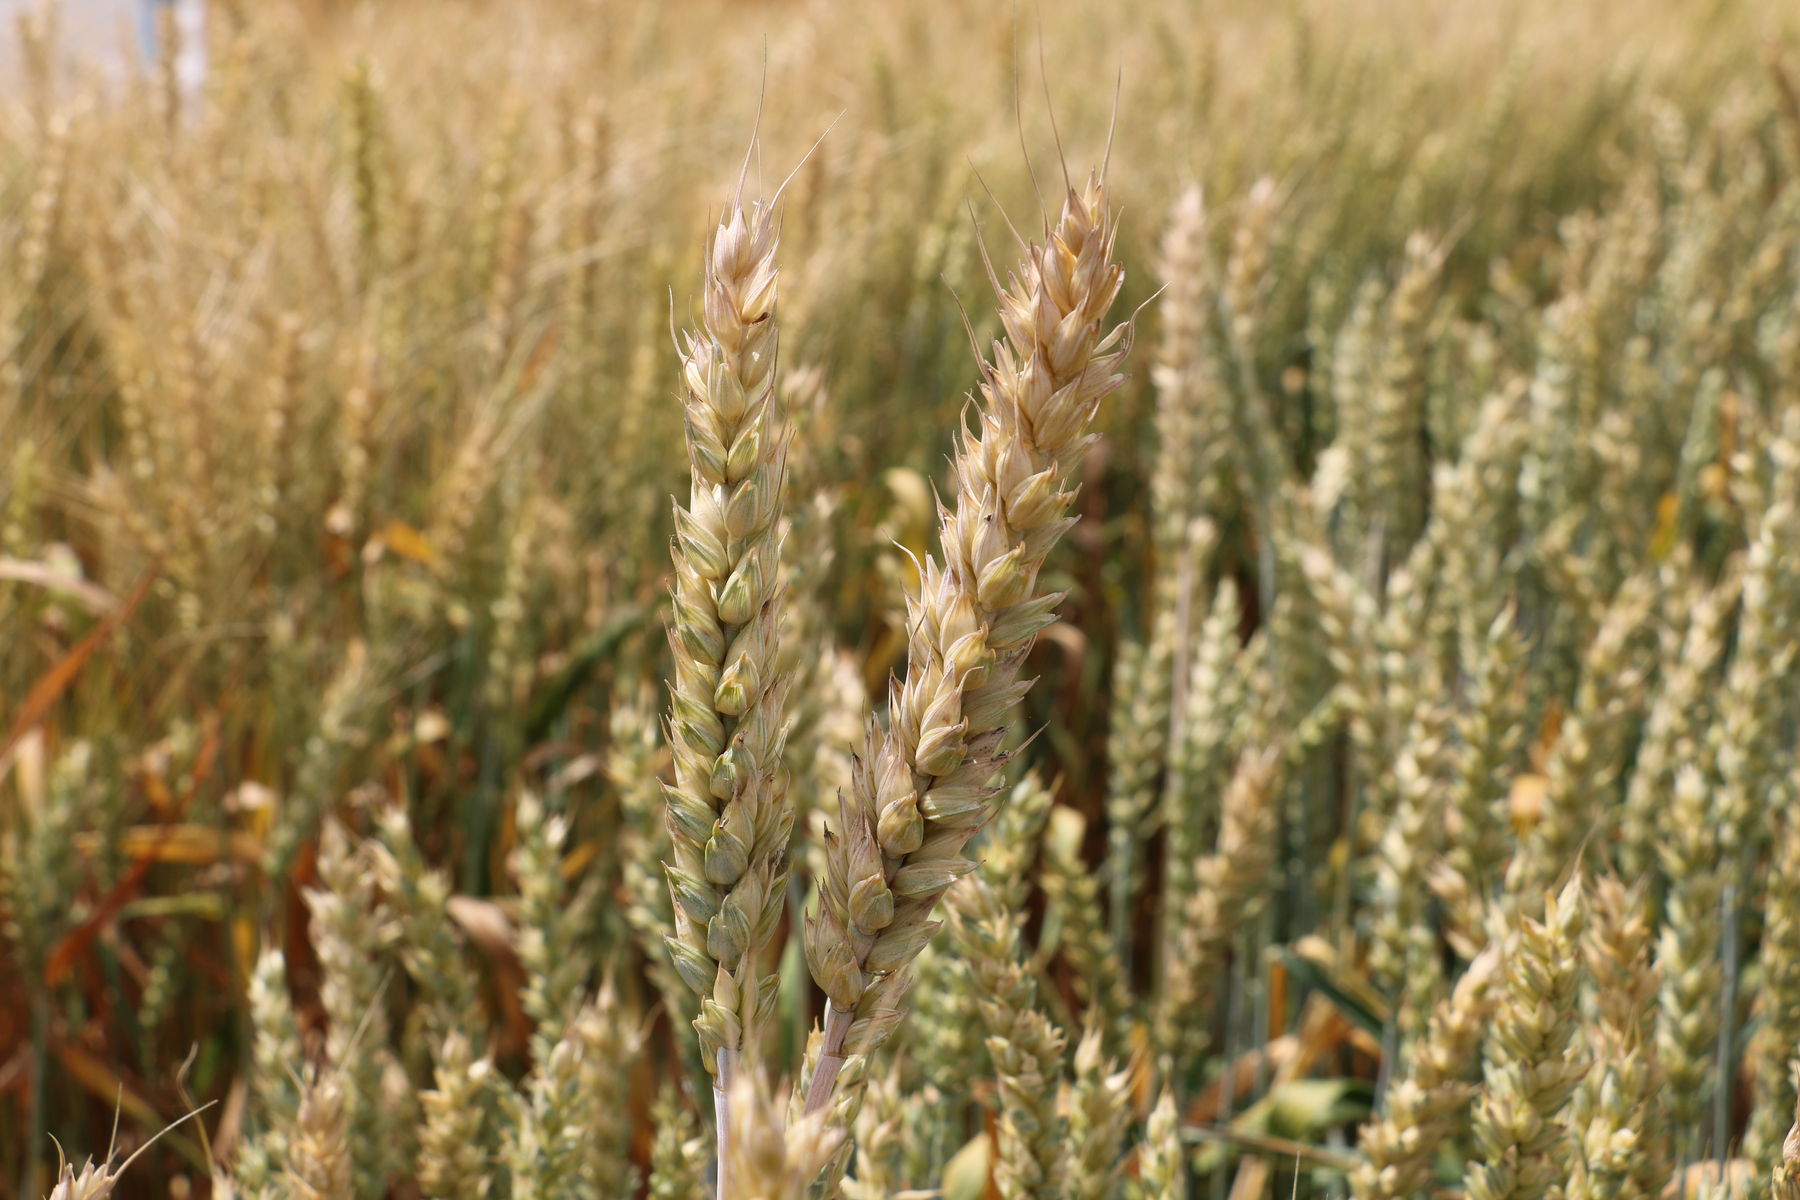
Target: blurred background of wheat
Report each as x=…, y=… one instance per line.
x=1457, y=470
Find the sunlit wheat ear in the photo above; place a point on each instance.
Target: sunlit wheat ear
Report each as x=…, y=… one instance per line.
x=1428, y=1105
x=925, y=782
x=729, y=814
x=1533, y=1062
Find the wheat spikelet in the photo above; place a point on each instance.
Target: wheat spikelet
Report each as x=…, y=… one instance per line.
x=1403, y=946
x=633, y=766
x=1395, y=476
x=429, y=949
x=96, y=1181
x=1072, y=892
x=768, y=1160
x=1201, y=757
x=1230, y=889
x=1583, y=766
x=547, y=1128
x=881, y=1134
x=1193, y=430
x=1754, y=704
x=1190, y=438
x=1784, y=1178
x=1490, y=729
x=322, y=757
x=609, y=1043
x=1674, y=731
x=556, y=963
x=944, y=1030
x=275, y=1049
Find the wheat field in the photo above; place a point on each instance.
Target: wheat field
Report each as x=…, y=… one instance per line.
x=1124, y=600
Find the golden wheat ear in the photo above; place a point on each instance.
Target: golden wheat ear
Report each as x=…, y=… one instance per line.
x=926, y=781
x=729, y=814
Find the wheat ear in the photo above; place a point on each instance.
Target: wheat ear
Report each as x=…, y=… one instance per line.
x=1427, y=1104
x=1534, y=1063
x=728, y=811
x=925, y=782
